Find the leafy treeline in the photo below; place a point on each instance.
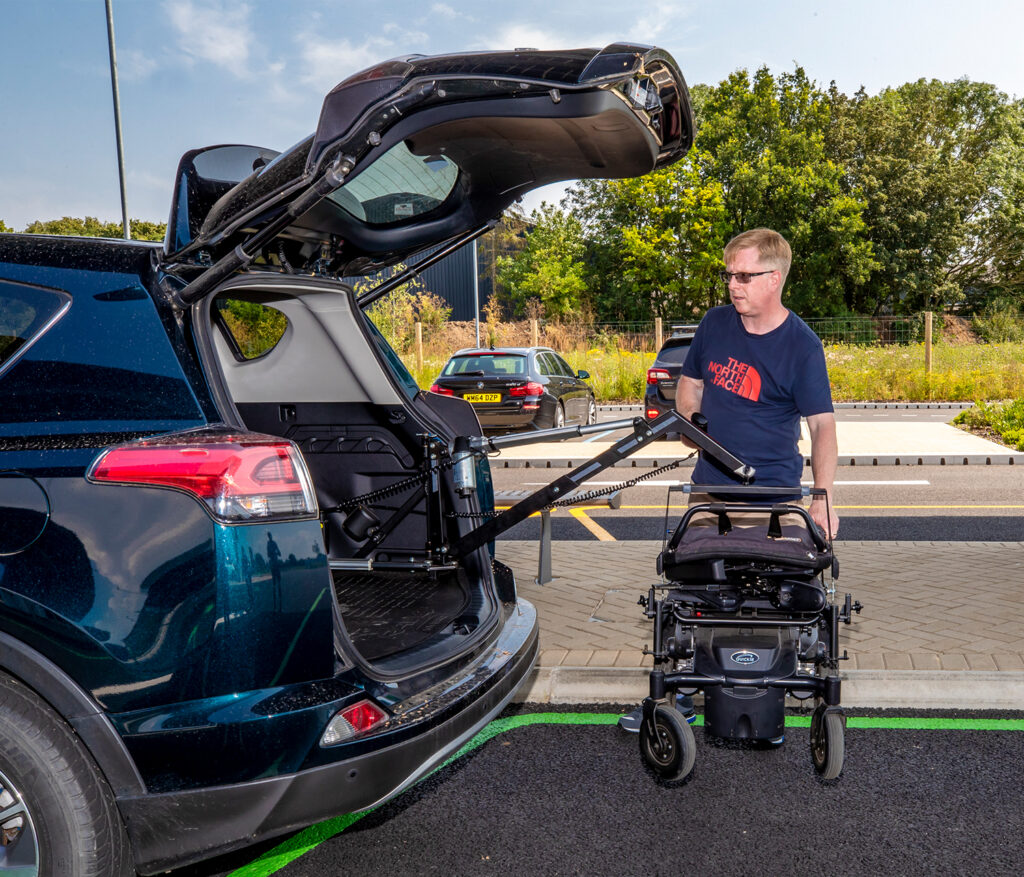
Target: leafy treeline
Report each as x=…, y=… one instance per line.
x=908, y=200
x=141, y=230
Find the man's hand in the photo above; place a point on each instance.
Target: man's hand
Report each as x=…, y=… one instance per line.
x=824, y=458
x=828, y=520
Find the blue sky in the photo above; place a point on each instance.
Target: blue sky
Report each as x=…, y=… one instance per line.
x=199, y=72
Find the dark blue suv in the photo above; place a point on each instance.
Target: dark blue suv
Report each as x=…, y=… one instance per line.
x=238, y=592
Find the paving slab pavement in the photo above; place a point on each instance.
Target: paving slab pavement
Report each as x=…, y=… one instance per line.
x=942, y=625
x=884, y=443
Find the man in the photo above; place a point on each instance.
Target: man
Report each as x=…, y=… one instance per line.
x=754, y=369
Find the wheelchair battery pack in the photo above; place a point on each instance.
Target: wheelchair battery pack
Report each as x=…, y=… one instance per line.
x=743, y=709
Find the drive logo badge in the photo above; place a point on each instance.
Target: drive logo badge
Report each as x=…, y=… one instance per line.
x=744, y=657
x=736, y=377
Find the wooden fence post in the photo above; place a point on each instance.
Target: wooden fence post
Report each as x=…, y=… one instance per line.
x=534, y=333
x=419, y=345
x=927, y=342
x=659, y=336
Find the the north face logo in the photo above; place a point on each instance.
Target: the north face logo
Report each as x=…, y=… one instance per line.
x=736, y=377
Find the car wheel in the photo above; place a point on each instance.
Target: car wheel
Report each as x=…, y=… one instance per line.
x=558, y=418
x=591, y=411
x=57, y=813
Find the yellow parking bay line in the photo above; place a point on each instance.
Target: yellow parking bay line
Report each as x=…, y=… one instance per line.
x=580, y=514
x=676, y=506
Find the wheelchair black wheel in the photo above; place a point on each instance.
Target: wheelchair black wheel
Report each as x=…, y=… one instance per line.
x=828, y=743
x=671, y=751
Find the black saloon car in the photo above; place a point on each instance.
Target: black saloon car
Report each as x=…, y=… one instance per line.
x=663, y=375
x=518, y=388
x=242, y=588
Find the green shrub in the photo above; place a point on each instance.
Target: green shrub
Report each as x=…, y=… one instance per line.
x=1006, y=419
x=1001, y=321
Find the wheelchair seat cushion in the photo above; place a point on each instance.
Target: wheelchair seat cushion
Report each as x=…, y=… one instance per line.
x=794, y=549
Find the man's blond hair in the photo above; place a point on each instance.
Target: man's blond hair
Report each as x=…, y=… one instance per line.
x=772, y=249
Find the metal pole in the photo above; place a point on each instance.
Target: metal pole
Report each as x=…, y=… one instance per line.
x=117, y=120
x=476, y=294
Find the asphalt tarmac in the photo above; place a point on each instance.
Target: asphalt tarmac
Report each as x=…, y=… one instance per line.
x=553, y=792
x=853, y=528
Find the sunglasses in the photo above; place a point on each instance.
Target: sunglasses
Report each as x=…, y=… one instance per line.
x=742, y=277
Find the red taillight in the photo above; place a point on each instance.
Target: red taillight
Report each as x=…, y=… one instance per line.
x=657, y=374
x=530, y=388
x=238, y=476
x=653, y=414
x=441, y=391
x=353, y=721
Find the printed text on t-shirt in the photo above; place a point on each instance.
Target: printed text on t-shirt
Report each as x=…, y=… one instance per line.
x=736, y=377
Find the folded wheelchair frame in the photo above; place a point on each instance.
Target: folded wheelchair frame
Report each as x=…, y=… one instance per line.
x=747, y=618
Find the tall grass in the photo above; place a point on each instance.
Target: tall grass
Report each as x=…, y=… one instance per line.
x=960, y=373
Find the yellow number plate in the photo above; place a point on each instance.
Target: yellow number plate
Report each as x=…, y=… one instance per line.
x=482, y=397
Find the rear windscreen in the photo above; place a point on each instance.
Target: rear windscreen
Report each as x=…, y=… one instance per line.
x=674, y=352
x=398, y=186
x=486, y=365
x=25, y=313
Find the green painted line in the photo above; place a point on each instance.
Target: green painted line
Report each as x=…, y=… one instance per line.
x=301, y=843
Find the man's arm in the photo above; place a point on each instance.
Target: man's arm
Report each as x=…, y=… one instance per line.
x=689, y=392
x=824, y=458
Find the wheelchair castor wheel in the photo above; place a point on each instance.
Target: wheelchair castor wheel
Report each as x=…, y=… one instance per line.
x=828, y=744
x=671, y=749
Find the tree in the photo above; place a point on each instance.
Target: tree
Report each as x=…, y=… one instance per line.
x=938, y=165
x=90, y=226
x=653, y=242
x=4, y=227
x=764, y=141
x=548, y=268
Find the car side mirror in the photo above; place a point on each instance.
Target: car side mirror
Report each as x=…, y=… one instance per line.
x=582, y=375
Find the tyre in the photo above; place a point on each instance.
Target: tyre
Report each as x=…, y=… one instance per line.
x=591, y=411
x=558, y=418
x=828, y=742
x=671, y=751
x=57, y=813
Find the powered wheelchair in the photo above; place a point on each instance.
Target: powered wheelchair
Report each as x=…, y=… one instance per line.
x=746, y=613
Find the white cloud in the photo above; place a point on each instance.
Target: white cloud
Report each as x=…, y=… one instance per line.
x=326, y=63
x=215, y=32
x=443, y=9
x=523, y=36
x=134, y=65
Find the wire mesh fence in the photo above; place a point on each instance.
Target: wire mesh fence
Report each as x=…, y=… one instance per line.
x=640, y=335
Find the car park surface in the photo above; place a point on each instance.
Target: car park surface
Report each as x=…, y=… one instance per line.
x=582, y=803
x=230, y=604
x=514, y=388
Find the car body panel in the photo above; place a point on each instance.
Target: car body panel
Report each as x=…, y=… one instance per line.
x=509, y=122
x=660, y=395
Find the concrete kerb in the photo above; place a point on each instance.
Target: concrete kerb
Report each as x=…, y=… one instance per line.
x=878, y=689
x=1008, y=459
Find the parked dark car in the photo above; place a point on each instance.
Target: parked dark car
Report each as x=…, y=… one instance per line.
x=518, y=388
x=663, y=375
x=234, y=595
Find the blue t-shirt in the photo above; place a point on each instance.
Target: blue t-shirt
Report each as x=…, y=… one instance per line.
x=756, y=389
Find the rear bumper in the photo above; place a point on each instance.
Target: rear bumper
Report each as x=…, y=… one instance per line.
x=174, y=829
